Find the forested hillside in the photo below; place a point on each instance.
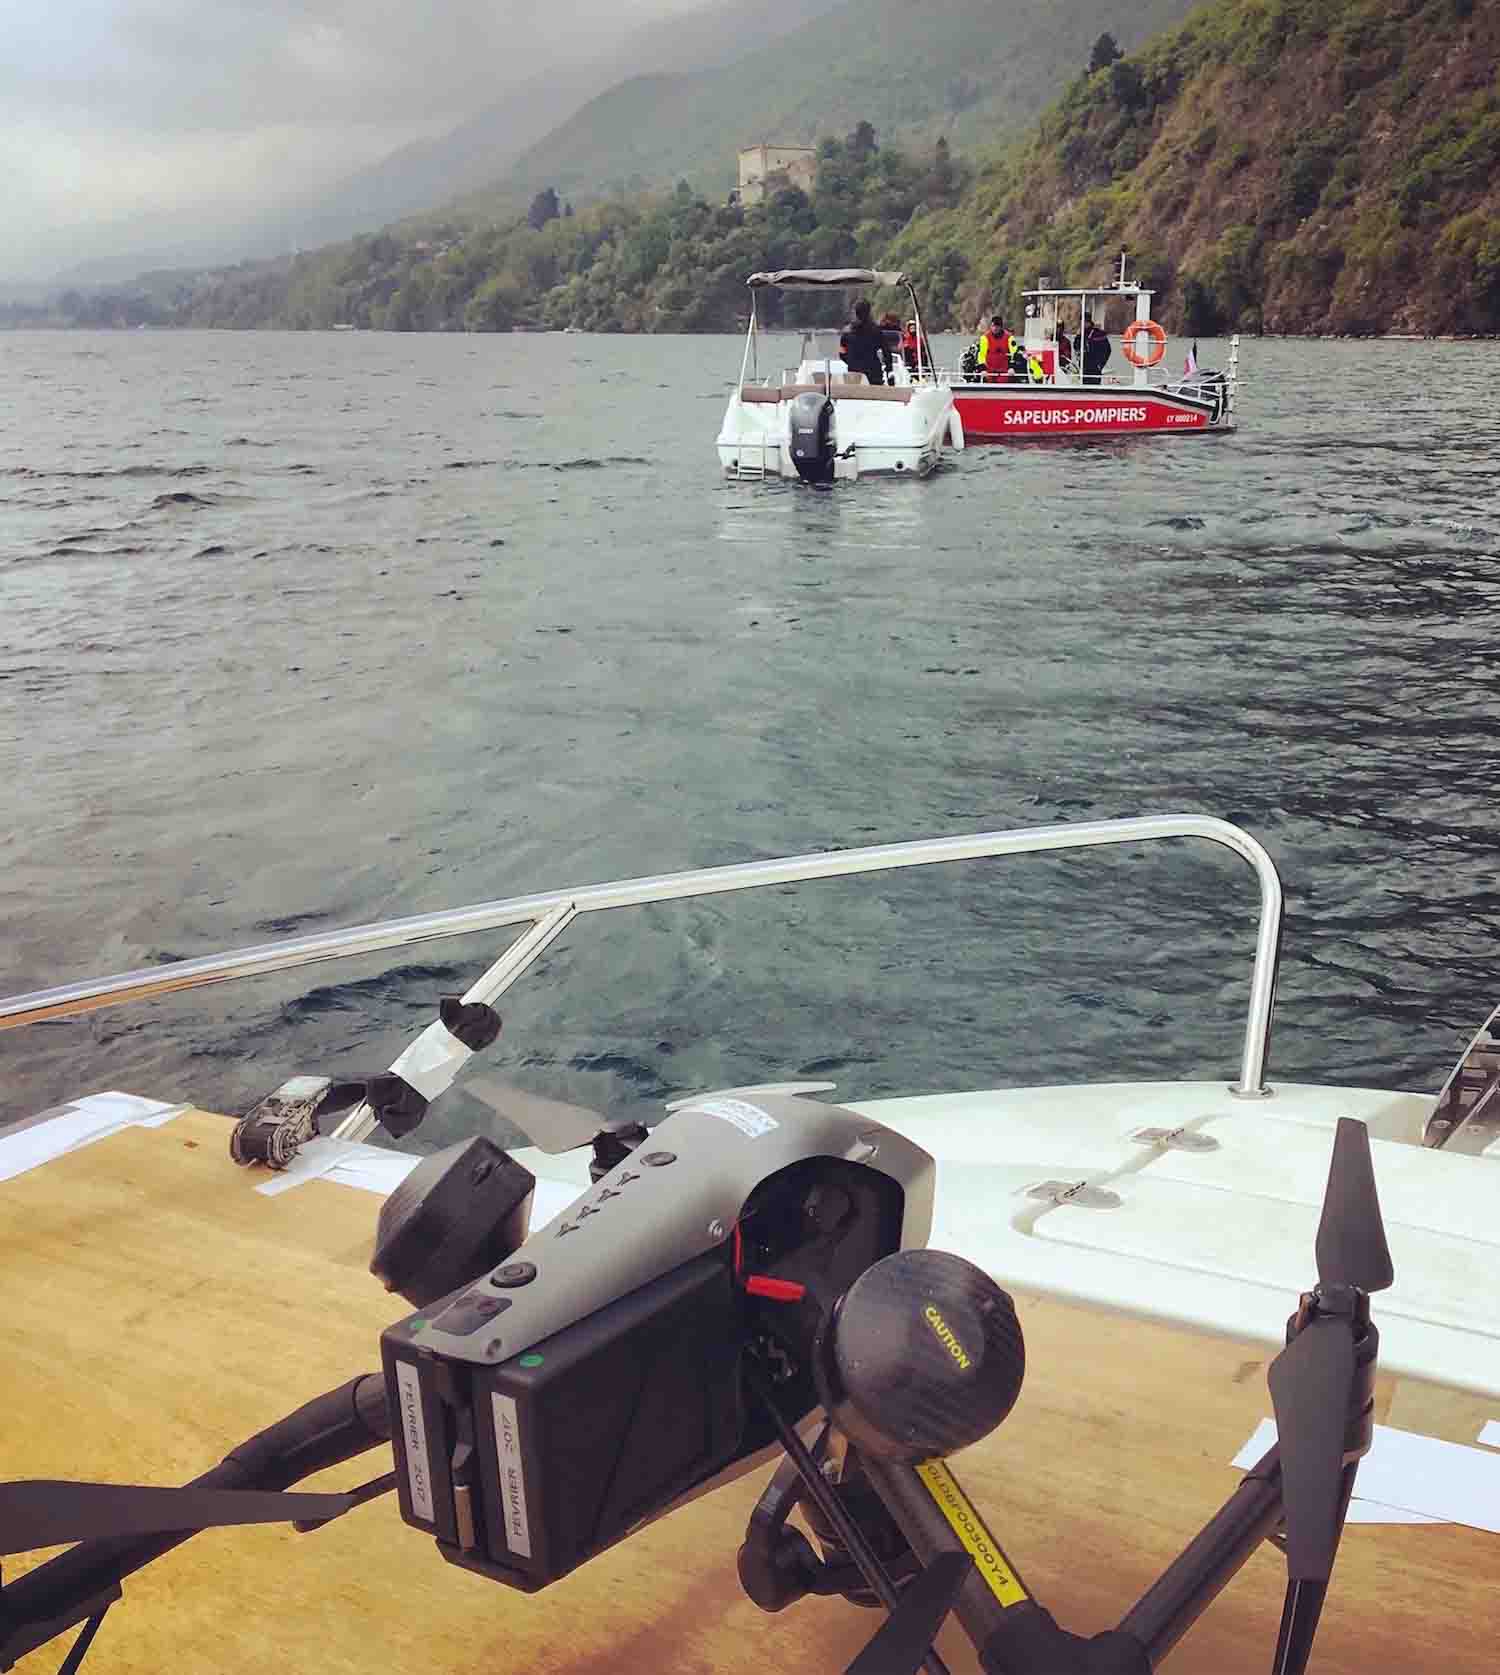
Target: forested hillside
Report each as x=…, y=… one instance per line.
x=1278, y=165
x=976, y=71
x=674, y=262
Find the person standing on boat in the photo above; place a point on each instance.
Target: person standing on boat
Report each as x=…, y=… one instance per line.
x=1096, y=351
x=867, y=351
x=994, y=350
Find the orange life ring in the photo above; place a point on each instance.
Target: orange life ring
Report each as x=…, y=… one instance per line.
x=1158, y=342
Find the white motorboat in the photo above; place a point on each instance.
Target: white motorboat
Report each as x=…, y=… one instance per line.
x=1187, y=1208
x=823, y=423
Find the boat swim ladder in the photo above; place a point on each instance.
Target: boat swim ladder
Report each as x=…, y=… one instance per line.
x=433, y=1060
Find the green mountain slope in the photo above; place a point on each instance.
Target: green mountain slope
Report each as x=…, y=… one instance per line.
x=1280, y=165
x=975, y=70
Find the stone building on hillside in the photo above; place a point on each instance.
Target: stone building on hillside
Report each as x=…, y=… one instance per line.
x=767, y=166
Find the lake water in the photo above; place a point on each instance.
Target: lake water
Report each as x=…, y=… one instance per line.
x=300, y=631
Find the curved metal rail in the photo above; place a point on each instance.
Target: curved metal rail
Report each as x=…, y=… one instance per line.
x=432, y=1061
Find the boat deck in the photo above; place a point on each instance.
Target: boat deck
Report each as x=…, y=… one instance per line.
x=158, y=1309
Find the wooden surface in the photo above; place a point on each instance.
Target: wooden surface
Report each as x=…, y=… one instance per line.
x=158, y=1310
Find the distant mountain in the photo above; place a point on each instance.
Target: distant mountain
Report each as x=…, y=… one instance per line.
x=977, y=71
x=484, y=147
x=531, y=97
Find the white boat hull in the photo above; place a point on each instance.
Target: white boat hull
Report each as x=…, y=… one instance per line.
x=899, y=438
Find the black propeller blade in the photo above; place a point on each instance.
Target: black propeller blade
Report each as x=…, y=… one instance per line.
x=906, y=1636
x=44, y=1512
x=1351, y=1245
x=1311, y=1382
x=1316, y=1384
x=550, y=1125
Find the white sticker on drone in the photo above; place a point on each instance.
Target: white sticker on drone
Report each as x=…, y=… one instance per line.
x=749, y=1119
x=414, y=1432
x=512, y=1474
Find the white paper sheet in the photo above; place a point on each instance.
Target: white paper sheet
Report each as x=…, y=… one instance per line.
x=1445, y=1482
x=317, y=1157
x=77, y=1124
x=1489, y=1433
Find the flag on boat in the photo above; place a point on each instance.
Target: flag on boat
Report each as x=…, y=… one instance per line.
x=1190, y=365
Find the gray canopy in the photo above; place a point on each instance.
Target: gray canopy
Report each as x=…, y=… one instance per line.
x=818, y=279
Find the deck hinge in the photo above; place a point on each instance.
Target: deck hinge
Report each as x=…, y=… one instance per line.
x=1078, y=1194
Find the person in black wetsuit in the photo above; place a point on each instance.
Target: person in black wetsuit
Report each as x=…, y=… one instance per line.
x=1095, y=351
x=867, y=351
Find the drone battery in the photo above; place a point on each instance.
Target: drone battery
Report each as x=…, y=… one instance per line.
x=524, y=1470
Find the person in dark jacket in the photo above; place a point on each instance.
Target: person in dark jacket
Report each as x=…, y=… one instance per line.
x=1096, y=351
x=867, y=351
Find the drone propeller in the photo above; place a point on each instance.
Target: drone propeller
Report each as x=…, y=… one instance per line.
x=554, y=1126
x=750, y=1091
x=1311, y=1382
x=1351, y=1247
x=45, y=1512
x=551, y=1125
x=1315, y=1380
x=905, y=1639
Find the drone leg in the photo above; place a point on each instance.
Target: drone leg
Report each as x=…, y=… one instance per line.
x=81, y=1645
x=827, y=1502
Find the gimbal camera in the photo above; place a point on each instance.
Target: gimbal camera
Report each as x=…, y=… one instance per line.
x=750, y=1269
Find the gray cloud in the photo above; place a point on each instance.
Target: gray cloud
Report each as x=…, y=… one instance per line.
x=115, y=110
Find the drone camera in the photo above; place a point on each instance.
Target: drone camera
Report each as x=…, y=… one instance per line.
x=922, y=1357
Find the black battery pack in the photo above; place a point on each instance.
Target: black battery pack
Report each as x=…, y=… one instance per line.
x=524, y=1470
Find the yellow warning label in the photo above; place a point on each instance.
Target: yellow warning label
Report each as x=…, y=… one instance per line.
x=968, y=1526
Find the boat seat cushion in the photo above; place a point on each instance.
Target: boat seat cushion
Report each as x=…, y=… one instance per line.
x=841, y=392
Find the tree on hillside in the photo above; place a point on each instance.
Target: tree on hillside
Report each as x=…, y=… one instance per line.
x=940, y=189
x=544, y=208
x=1126, y=85
x=862, y=141
x=1106, y=51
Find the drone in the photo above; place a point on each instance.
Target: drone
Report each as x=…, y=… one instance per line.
x=745, y=1284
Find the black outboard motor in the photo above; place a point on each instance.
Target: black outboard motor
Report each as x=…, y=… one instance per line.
x=812, y=436
x=1215, y=387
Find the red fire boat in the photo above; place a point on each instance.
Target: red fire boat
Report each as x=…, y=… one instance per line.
x=1058, y=385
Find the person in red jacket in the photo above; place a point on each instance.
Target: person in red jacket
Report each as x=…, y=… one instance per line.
x=994, y=351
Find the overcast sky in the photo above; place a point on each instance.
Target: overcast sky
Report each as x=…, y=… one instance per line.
x=123, y=118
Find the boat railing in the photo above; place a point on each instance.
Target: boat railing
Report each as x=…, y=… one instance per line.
x=432, y=1061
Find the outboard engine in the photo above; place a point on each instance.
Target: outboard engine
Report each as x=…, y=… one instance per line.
x=1214, y=387
x=812, y=436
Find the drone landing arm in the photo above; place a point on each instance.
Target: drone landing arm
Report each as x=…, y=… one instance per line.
x=828, y=1503
x=1014, y=1635
x=1185, y=1590
x=78, y=1584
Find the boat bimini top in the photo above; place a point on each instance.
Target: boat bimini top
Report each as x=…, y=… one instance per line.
x=825, y=279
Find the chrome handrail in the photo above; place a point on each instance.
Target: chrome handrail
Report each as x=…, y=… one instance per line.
x=433, y=1068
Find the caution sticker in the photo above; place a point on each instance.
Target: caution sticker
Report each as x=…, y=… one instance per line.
x=968, y=1526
